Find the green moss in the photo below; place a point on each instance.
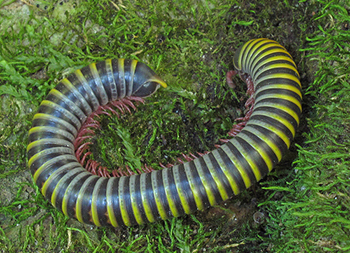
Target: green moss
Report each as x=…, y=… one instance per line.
x=316, y=215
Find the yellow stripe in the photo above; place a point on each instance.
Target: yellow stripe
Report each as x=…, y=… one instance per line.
x=35, y=143
x=121, y=76
x=205, y=183
x=267, y=53
x=266, y=140
x=55, y=174
x=69, y=191
x=77, y=94
x=57, y=94
x=55, y=141
x=43, y=116
x=72, y=106
x=273, y=129
x=215, y=176
x=252, y=57
x=121, y=63
x=78, y=207
x=99, y=86
x=242, y=53
x=184, y=202
x=274, y=66
x=109, y=63
x=249, y=50
x=134, y=203
x=274, y=116
x=195, y=190
x=280, y=96
x=168, y=193
x=132, y=75
x=270, y=44
x=55, y=130
x=282, y=87
x=123, y=211
x=224, y=168
x=256, y=146
x=68, y=152
x=280, y=75
x=145, y=201
x=94, y=72
x=59, y=108
x=246, y=156
x=158, y=80
x=59, y=187
x=157, y=198
x=111, y=80
x=239, y=167
x=92, y=98
x=68, y=84
x=109, y=202
x=80, y=77
x=272, y=59
x=281, y=107
x=94, y=212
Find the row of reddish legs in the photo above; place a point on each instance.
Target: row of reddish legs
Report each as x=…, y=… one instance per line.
x=86, y=133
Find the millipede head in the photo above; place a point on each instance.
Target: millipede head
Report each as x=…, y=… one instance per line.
x=146, y=82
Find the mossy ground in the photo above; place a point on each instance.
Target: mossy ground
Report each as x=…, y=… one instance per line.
x=303, y=206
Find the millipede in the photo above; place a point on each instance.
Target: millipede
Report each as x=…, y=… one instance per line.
x=258, y=144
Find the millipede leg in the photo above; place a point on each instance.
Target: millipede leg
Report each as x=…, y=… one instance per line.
x=249, y=104
x=83, y=141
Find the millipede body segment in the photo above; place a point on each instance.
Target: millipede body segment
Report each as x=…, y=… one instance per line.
x=170, y=192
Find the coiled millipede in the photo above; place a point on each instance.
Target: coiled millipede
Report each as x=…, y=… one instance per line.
x=170, y=192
